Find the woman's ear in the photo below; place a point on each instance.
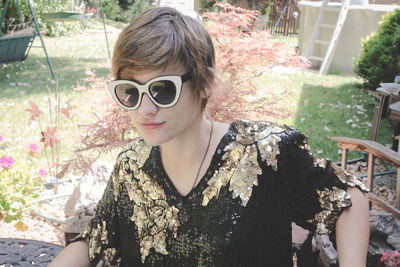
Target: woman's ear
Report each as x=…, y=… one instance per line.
x=205, y=93
x=207, y=89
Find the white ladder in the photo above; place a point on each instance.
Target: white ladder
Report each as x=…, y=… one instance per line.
x=332, y=44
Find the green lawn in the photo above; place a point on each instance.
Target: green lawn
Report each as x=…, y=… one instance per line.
x=320, y=106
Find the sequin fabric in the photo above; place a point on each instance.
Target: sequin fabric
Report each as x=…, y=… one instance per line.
x=152, y=215
x=241, y=167
x=261, y=178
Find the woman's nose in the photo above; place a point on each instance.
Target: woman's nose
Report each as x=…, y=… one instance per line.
x=147, y=106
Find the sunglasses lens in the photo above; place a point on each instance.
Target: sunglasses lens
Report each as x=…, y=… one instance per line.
x=164, y=92
x=127, y=94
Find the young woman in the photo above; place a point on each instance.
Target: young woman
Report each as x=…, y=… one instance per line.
x=195, y=192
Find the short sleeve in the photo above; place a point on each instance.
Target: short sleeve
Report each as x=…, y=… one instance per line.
x=315, y=187
x=102, y=230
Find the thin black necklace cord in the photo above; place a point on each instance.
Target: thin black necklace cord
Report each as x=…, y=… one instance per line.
x=205, y=154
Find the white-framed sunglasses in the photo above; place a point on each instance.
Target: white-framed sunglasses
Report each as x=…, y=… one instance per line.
x=164, y=91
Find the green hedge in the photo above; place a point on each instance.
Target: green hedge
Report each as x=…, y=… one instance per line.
x=380, y=58
x=41, y=7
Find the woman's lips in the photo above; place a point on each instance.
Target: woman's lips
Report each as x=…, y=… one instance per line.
x=151, y=125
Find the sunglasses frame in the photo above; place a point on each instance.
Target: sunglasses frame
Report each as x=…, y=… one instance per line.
x=178, y=81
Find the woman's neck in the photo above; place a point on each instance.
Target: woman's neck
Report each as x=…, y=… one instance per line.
x=188, y=147
x=187, y=158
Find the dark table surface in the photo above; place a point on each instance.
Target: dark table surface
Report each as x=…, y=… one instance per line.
x=23, y=252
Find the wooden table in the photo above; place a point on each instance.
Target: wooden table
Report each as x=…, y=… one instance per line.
x=385, y=93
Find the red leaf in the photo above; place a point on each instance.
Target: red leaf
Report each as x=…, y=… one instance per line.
x=67, y=108
x=34, y=110
x=50, y=137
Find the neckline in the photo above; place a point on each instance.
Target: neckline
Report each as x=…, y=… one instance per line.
x=217, y=155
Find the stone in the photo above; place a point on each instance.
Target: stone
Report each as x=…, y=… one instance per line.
x=89, y=191
x=394, y=240
x=70, y=206
x=384, y=235
x=76, y=224
x=327, y=253
x=377, y=246
x=382, y=222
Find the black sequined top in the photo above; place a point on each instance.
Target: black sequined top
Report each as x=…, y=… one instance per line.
x=261, y=178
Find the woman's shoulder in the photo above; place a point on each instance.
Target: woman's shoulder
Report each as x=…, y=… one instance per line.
x=137, y=151
x=265, y=132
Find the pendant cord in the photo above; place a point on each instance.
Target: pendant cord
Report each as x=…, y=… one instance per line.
x=205, y=154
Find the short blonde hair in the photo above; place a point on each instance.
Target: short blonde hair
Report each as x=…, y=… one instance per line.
x=162, y=36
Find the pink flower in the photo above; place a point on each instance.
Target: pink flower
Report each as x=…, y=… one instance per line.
x=395, y=254
x=42, y=172
x=1, y=138
x=6, y=162
x=385, y=256
x=33, y=149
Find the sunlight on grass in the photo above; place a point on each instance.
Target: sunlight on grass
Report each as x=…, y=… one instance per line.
x=322, y=107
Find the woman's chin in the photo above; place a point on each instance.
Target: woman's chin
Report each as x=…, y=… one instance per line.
x=152, y=141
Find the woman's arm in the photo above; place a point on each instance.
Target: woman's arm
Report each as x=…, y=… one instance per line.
x=76, y=254
x=352, y=231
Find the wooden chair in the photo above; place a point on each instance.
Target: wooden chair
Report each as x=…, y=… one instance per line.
x=375, y=150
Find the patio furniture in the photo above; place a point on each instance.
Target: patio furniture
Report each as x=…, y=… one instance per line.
x=386, y=92
x=375, y=150
x=17, y=47
x=23, y=252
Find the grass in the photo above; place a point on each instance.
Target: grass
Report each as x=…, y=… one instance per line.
x=317, y=105
x=31, y=80
x=321, y=107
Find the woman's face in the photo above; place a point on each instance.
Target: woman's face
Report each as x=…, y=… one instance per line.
x=159, y=125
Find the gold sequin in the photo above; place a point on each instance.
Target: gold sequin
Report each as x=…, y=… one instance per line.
x=269, y=149
x=349, y=179
x=335, y=199
x=110, y=255
x=98, y=237
x=265, y=133
x=332, y=201
x=320, y=162
x=245, y=175
x=131, y=160
x=152, y=215
x=240, y=167
x=221, y=177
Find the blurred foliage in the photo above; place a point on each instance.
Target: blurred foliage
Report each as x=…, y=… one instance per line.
x=40, y=7
x=123, y=10
x=111, y=10
x=135, y=9
x=18, y=187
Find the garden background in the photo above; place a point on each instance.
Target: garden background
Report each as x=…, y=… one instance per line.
x=52, y=131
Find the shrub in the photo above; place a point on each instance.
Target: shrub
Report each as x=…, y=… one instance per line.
x=242, y=53
x=40, y=7
x=138, y=7
x=54, y=28
x=111, y=10
x=17, y=189
x=19, y=181
x=380, y=57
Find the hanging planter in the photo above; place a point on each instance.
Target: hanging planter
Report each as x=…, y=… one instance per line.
x=15, y=47
x=62, y=16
